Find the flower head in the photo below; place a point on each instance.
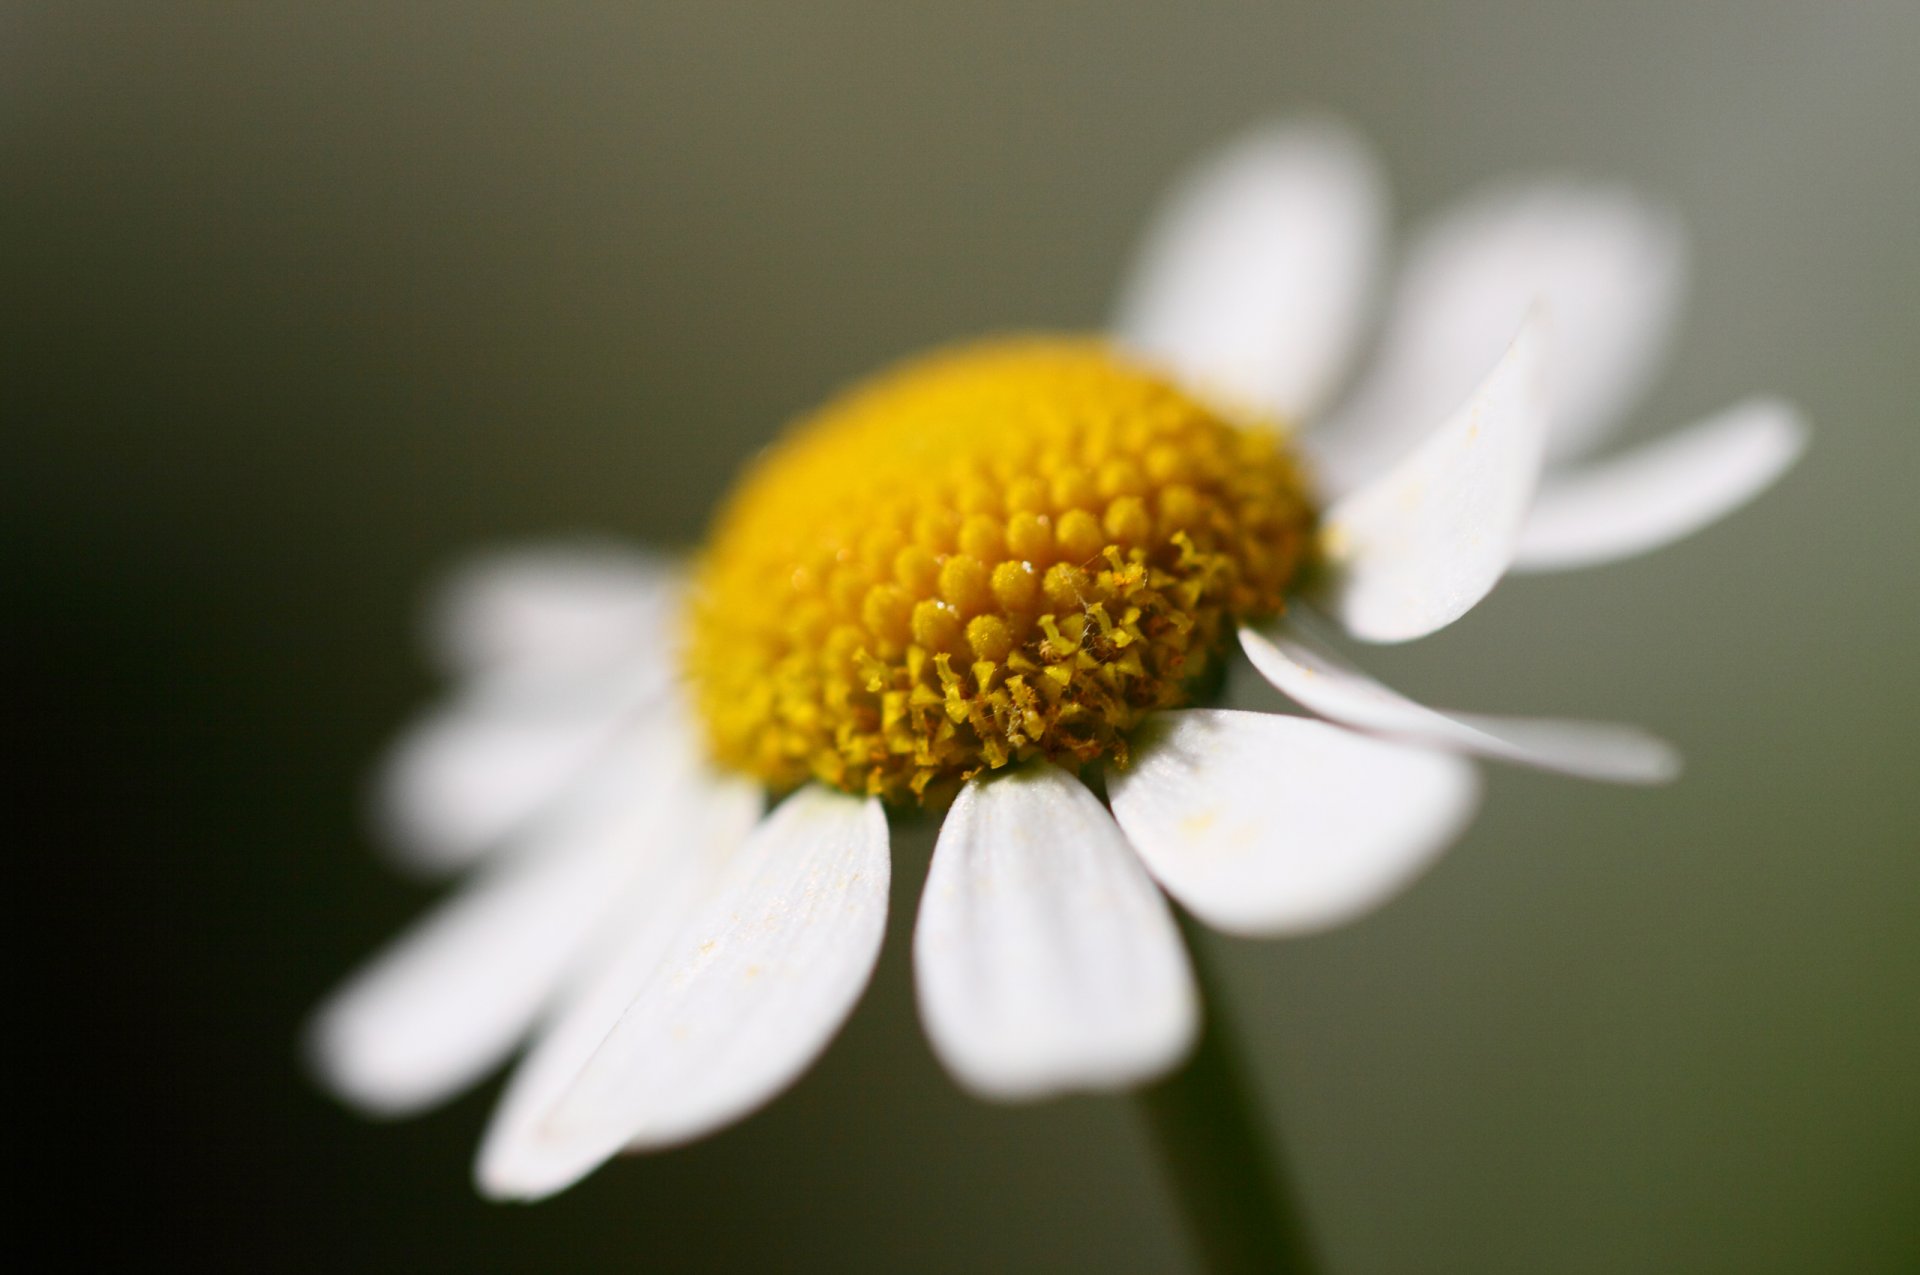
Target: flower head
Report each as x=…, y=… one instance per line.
x=993, y=577
x=1003, y=552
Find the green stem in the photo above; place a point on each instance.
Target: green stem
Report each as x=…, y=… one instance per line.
x=1216, y=1148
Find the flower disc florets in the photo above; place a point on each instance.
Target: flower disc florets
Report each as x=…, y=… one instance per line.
x=997, y=552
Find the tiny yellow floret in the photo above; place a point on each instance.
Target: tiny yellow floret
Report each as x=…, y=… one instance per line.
x=1002, y=551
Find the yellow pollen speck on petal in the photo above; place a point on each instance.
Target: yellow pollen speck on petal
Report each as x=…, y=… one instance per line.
x=1004, y=551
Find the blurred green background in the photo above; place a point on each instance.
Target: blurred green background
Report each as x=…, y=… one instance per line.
x=305, y=303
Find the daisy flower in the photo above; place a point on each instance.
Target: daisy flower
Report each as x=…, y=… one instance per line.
x=1001, y=581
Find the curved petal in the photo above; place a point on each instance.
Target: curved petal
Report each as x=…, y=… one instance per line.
x=1415, y=549
x=750, y=992
x=1608, y=269
x=449, y=1000
x=469, y=774
x=1312, y=676
x=705, y=835
x=1268, y=825
x=556, y=610
x=1254, y=277
x=1046, y=961
x=1656, y=494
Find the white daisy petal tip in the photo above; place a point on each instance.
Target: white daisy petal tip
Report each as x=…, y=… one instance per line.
x=1307, y=672
x=568, y=677
x=1663, y=491
x=1254, y=277
x=408, y=1031
x=1416, y=548
x=344, y=1062
x=377, y=1073
x=545, y=609
x=1266, y=825
x=466, y=776
x=702, y=834
x=752, y=990
x=1046, y=960
x=451, y=997
x=1609, y=265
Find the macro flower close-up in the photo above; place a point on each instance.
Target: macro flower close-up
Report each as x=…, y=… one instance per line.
x=1036, y=638
x=1002, y=583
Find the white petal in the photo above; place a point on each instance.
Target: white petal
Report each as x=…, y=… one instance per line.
x=1656, y=494
x=1414, y=549
x=1268, y=825
x=750, y=992
x=1255, y=276
x=470, y=774
x=1046, y=960
x=447, y=1002
x=1315, y=678
x=1608, y=269
x=705, y=834
x=555, y=610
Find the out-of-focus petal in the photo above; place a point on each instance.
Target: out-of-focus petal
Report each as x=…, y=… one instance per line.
x=469, y=774
x=1264, y=824
x=749, y=993
x=453, y=996
x=1607, y=268
x=1660, y=492
x=1413, y=550
x=704, y=833
x=1255, y=275
x=1046, y=960
x=562, y=610
x=1311, y=675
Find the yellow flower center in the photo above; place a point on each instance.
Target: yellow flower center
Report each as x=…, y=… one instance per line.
x=1007, y=550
